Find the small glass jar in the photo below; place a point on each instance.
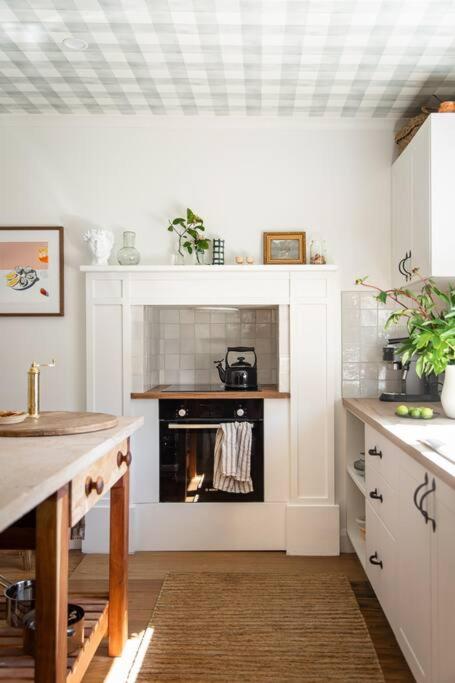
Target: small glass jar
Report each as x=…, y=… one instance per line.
x=128, y=255
x=318, y=255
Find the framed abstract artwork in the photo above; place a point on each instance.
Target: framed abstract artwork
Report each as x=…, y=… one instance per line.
x=285, y=248
x=31, y=271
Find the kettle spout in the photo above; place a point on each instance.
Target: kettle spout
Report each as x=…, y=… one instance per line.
x=221, y=370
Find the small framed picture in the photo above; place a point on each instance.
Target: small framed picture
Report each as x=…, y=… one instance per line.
x=31, y=271
x=284, y=248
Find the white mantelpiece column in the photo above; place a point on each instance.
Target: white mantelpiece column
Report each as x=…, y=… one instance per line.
x=312, y=520
x=306, y=520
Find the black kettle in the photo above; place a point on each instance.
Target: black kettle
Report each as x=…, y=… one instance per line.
x=241, y=374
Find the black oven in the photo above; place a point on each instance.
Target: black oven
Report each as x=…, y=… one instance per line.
x=187, y=444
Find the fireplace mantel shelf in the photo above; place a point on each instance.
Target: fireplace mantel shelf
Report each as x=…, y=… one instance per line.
x=204, y=269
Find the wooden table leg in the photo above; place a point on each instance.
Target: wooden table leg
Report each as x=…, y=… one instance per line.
x=52, y=544
x=118, y=566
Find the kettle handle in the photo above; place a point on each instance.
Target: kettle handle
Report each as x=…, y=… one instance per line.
x=242, y=349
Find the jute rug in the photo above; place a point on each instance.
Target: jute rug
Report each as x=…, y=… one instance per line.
x=258, y=628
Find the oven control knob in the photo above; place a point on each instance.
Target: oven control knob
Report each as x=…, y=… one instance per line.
x=240, y=412
x=182, y=412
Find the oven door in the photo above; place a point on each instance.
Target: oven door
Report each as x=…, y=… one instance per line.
x=187, y=460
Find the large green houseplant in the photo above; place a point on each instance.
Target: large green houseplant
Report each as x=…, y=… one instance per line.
x=430, y=319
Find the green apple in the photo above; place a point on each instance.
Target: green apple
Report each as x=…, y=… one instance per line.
x=402, y=411
x=416, y=413
x=427, y=413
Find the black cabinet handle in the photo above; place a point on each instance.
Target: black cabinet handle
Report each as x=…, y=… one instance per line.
x=375, y=495
x=400, y=267
x=425, y=514
x=373, y=559
x=416, y=492
x=374, y=451
x=407, y=273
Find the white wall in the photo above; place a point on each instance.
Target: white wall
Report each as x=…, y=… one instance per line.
x=243, y=177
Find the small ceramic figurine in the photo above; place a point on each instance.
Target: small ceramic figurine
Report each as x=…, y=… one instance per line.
x=239, y=260
x=100, y=242
x=250, y=260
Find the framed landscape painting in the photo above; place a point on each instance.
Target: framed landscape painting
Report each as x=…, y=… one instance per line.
x=286, y=248
x=31, y=271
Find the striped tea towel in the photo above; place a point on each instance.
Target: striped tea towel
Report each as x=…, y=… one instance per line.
x=232, y=466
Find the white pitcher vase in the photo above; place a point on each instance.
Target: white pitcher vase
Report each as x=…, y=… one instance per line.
x=448, y=392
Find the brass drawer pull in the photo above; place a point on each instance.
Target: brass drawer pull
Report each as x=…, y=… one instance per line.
x=124, y=458
x=91, y=485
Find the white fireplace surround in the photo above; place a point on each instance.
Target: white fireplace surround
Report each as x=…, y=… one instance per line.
x=299, y=513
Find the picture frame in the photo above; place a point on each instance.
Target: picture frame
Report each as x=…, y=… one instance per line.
x=31, y=271
x=284, y=248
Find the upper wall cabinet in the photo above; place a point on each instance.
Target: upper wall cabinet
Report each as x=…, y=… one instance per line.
x=423, y=234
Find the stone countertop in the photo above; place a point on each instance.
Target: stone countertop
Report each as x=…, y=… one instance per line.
x=33, y=468
x=158, y=392
x=407, y=432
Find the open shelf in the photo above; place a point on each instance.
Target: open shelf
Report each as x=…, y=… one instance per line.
x=15, y=665
x=358, y=542
x=357, y=478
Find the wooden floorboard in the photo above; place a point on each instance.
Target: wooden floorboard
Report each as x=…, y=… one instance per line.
x=147, y=571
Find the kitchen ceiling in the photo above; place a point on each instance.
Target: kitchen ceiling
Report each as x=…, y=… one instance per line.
x=324, y=58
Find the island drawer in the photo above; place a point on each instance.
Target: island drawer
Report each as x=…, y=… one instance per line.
x=88, y=487
x=381, y=454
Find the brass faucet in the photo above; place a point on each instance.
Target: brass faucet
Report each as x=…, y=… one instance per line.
x=34, y=386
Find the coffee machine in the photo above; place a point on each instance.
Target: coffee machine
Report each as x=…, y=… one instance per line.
x=413, y=388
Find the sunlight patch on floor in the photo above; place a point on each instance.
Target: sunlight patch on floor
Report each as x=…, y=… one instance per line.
x=126, y=668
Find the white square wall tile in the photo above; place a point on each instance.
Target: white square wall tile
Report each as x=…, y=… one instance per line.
x=187, y=316
x=351, y=371
x=169, y=316
x=263, y=315
x=368, y=300
x=171, y=331
x=368, y=317
x=187, y=331
x=187, y=376
x=202, y=331
x=172, y=362
x=187, y=361
x=350, y=300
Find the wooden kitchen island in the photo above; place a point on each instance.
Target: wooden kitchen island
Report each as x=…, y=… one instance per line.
x=54, y=481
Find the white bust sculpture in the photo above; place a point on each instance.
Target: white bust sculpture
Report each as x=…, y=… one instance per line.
x=100, y=242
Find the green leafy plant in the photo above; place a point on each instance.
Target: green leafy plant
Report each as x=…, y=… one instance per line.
x=430, y=319
x=190, y=234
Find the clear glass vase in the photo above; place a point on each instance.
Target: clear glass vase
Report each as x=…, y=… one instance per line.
x=128, y=255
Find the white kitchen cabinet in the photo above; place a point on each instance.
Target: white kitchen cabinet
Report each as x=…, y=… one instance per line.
x=409, y=553
x=422, y=201
x=443, y=578
x=413, y=613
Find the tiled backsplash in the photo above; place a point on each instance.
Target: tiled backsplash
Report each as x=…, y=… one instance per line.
x=180, y=345
x=363, y=336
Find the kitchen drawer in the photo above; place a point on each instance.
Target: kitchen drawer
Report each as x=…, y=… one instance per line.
x=381, y=454
x=88, y=487
x=382, y=498
x=381, y=547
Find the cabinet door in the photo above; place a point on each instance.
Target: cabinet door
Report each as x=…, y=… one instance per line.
x=414, y=574
x=401, y=213
x=443, y=581
x=420, y=175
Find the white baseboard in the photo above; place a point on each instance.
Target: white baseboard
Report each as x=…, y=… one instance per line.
x=298, y=529
x=312, y=529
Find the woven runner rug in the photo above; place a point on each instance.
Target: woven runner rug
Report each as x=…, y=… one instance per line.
x=258, y=628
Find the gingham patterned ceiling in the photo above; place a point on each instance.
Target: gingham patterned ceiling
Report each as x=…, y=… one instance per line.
x=368, y=58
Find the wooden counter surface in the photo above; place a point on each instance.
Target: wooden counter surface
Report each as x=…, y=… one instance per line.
x=406, y=432
x=266, y=391
x=33, y=468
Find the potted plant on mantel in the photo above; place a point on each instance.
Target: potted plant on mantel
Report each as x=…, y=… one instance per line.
x=190, y=238
x=430, y=320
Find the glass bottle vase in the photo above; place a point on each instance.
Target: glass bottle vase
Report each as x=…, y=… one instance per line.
x=128, y=255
